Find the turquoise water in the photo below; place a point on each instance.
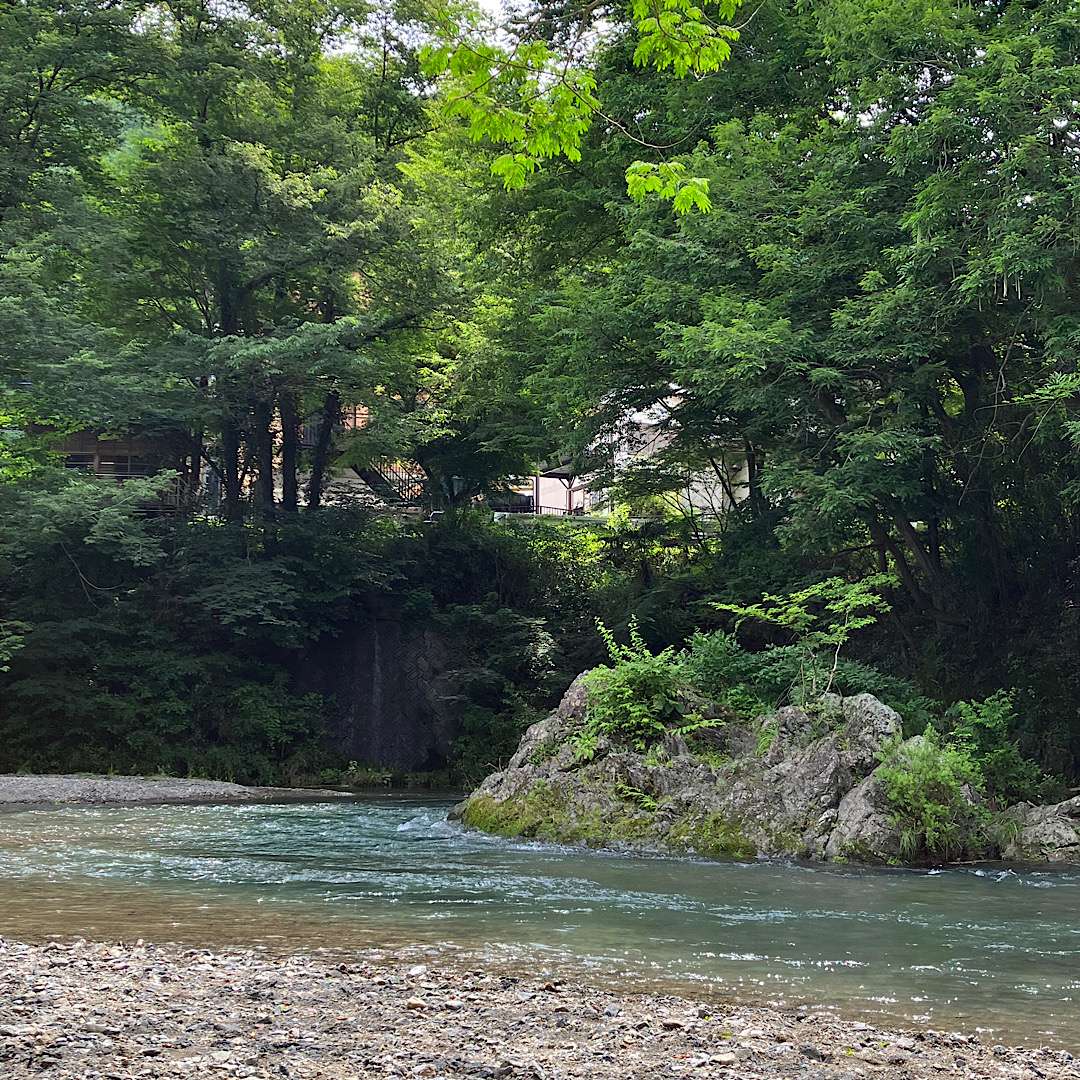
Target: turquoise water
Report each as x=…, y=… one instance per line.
x=975, y=948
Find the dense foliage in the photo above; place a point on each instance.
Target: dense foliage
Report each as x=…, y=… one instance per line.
x=878, y=313
x=227, y=228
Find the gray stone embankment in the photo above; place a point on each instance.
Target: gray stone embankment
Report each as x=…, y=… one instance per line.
x=83, y=1011
x=18, y=792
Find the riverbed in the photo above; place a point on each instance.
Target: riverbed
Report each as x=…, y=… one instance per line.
x=978, y=949
x=91, y=1011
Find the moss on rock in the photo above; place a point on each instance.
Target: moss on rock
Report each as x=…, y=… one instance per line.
x=712, y=834
x=535, y=813
x=806, y=784
x=543, y=813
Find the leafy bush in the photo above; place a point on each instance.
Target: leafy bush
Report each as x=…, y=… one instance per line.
x=820, y=620
x=929, y=785
x=983, y=729
x=504, y=675
x=720, y=670
x=635, y=700
x=747, y=683
x=489, y=737
x=751, y=683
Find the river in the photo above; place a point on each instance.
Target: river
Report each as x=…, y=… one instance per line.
x=987, y=949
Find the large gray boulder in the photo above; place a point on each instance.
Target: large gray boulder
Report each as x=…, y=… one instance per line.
x=808, y=795
x=863, y=829
x=869, y=725
x=1045, y=833
x=551, y=733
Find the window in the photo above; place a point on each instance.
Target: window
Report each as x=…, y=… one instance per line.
x=118, y=465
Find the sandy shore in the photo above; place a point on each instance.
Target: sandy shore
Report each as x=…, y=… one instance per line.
x=18, y=792
x=85, y=1011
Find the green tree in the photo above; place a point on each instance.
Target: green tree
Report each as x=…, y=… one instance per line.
x=876, y=317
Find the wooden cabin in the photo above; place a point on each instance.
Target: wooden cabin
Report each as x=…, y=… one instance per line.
x=122, y=459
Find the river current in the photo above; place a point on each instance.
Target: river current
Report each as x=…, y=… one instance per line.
x=982, y=948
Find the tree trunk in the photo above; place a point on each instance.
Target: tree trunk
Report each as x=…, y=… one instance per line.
x=229, y=325
x=230, y=467
x=193, y=474
x=922, y=555
x=755, y=495
x=881, y=536
x=331, y=416
x=264, y=457
x=290, y=447
x=924, y=602
x=979, y=382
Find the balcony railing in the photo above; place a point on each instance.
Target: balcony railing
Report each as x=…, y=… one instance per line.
x=536, y=511
x=121, y=469
x=527, y=509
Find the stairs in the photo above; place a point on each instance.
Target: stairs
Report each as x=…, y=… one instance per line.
x=398, y=484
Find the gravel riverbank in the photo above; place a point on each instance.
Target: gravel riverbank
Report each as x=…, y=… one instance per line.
x=20, y=792
x=85, y=1011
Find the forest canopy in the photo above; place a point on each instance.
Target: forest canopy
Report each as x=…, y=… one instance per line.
x=835, y=241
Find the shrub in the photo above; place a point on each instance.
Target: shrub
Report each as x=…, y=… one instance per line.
x=820, y=620
x=724, y=673
x=752, y=683
x=983, y=730
x=489, y=737
x=715, y=663
x=635, y=699
x=929, y=785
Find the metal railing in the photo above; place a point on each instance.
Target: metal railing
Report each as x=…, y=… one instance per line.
x=540, y=511
x=397, y=483
x=170, y=496
x=536, y=511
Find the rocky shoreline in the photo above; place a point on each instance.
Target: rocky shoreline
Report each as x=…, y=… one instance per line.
x=90, y=1011
x=18, y=792
x=803, y=782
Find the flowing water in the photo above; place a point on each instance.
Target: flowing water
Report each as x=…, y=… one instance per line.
x=985, y=949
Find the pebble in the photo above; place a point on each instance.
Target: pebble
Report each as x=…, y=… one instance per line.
x=93, y=1011
x=45, y=790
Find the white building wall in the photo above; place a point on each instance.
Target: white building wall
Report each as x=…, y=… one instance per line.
x=644, y=436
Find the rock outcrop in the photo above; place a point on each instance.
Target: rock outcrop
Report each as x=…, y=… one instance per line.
x=1045, y=833
x=800, y=782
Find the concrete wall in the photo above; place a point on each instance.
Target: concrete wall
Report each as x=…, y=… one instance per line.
x=385, y=675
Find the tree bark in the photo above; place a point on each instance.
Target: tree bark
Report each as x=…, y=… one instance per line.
x=755, y=495
x=229, y=325
x=923, y=601
x=884, y=540
x=193, y=473
x=264, y=457
x=230, y=467
x=331, y=416
x=921, y=553
x=290, y=447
